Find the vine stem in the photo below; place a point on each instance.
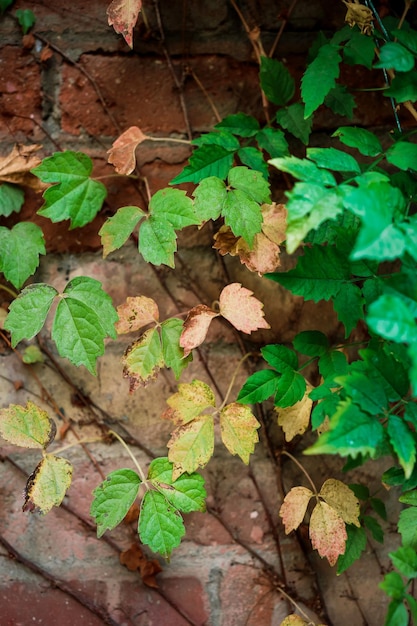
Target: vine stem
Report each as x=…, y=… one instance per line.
x=306, y=474
x=9, y=291
x=232, y=382
x=76, y=443
x=128, y=450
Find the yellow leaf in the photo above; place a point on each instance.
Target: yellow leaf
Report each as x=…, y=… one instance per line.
x=190, y=400
x=294, y=620
x=342, y=500
x=191, y=446
x=143, y=359
x=361, y=15
x=295, y=419
x=238, y=427
x=135, y=313
x=294, y=507
x=327, y=532
x=27, y=426
x=196, y=327
x=47, y=485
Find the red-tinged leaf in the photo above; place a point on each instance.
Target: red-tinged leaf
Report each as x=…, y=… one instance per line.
x=135, y=313
x=143, y=360
x=342, y=500
x=294, y=507
x=122, y=15
x=263, y=257
x=191, y=446
x=136, y=560
x=294, y=420
x=239, y=427
x=122, y=152
x=327, y=532
x=196, y=327
x=190, y=400
x=274, y=222
x=242, y=310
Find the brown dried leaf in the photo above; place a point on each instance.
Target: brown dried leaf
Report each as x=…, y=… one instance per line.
x=295, y=419
x=225, y=241
x=342, y=500
x=135, y=559
x=361, y=15
x=196, y=327
x=122, y=153
x=123, y=15
x=294, y=507
x=274, y=222
x=15, y=167
x=135, y=313
x=241, y=309
x=46, y=54
x=327, y=532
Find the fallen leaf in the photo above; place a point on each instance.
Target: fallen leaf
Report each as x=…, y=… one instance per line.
x=123, y=15
x=294, y=507
x=122, y=152
x=136, y=312
x=46, y=54
x=135, y=559
x=133, y=514
x=196, y=327
x=15, y=167
x=294, y=420
x=241, y=309
x=342, y=500
x=327, y=532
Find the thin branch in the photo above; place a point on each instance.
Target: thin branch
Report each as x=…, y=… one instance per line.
x=132, y=456
x=282, y=27
x=298, y=464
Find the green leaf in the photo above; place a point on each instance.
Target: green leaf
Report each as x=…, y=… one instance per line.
x=259, y=387
x=393, y=56
x=391, y=318
x=403, y=154
x=386, y=368
x=340, y=101
x=304, y=170
x=157, y=242
x=404, y=443
x=276, y=81
x=364, y=391
x=143, y=359
x=243, y=214
x=89, y=291
x=253, y=158
x=26, y=19
x=393, y=586
x=27, y=313
x=410, y=497
x=291, y=389
x=359, y=50
x=293, y=119
x=160, y=525
x=374, y=528
x=252, y=183
x=352, y=431
x=333, y=159
x=47, y=485
x=173, y=354
x=359, y=138
x=311, y=342
x=4, y=4
x=355, y=545
x=12, y=198
x=407, y=527
x=379, y=507
x=348, y=304
x=405, y=561
x=32, y=354
x=209, y=160
x=319, y=275
x=397, y=614
x=173, y=206
x=333, y=363
x=186, y=494
x=412, y=603
x=407, y=37
x=113, y=498
x=280, y=357
x=20, y=248
x=220, y=137
x=118, y=228
x=403, y=88
x=273, y=141
x=75, y=197
x=320, y=77
x=209, y=198
x=240, y=124
x=27, y=426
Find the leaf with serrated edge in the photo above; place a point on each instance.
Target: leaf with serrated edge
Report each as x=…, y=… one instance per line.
x=238, y=428
x=122, y=152
x=172, y=352
x=20, y=248
x=294, y=507
x=274, y=221
x=12, y=198
x=190, y=400
x=47, y=485
x=118, y=228
x=90, y=292
x=160, y=525
x=290, y=389
x=27, y=313
x=242, y=214
x=157, y=242
x=113, y=499
x=186, y=494
x=192, y=445
x=342, y=500
x=403, y=441
x=174, y=207
x=28, y=426
x=407, y=527
x=355, y=545
x=143, y=360
x=320, y=77
x=264, y=257
x=209, y=198
x=251, y=182
x=196, y=326
x=241, y=309
x=208, y=160
x=123, y=15
x=327, y=532
x=136, y=312
x=294, y=420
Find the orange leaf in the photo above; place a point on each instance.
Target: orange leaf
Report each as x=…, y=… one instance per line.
x=263, y=257
x=294, y=507
x=327, y=532
x=196, y=327
x=134, y=559
x=135, y=313
x=122, y=152
x=122, y=15
x=242, y=310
